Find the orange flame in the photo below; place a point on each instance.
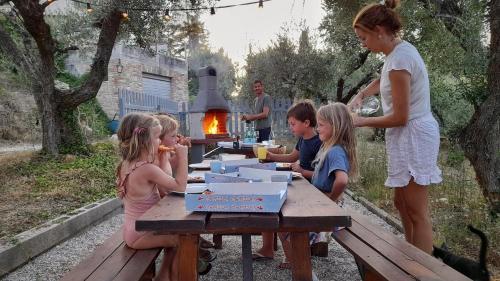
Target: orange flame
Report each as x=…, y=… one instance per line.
x=213, y=127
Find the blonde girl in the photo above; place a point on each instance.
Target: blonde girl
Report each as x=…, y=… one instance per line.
x=169, y=136
x=336, y=159
x=412, y=135
x=140, y=181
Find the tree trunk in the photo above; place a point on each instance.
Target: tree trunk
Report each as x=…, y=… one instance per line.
x=481, y=138
x=60, y=127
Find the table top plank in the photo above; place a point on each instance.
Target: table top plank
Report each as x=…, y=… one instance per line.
x=170, y=214
x=433, y=264
x=308, y=208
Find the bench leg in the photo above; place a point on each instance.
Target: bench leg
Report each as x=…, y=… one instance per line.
x=366, y=273
x=217, y=239
x=188, y=257
x=150, y=273
x=370, y=276
x=301, y=256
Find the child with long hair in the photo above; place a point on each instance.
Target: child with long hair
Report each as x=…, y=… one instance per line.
x=140, y=181
x=336, y=159
x=335, y=162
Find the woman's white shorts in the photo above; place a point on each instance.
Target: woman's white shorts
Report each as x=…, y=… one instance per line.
x=412, y=151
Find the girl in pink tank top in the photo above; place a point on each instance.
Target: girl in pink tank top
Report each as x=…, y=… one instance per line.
x=142, y=175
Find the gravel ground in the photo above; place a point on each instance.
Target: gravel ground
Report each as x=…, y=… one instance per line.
x=339, y=265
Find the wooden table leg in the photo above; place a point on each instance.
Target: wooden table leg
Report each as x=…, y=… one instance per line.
x=188, y=259
x=301, y=256
x=246, y=247
x=217, y=239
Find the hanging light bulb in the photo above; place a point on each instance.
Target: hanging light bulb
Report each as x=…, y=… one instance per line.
x=261, y=4
x=125, y=15
x=167, y=16
x=89, y=8
x=212, y=11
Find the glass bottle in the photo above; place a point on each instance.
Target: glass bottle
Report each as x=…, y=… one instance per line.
x=247, y=138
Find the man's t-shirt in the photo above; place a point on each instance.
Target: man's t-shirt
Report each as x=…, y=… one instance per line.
x=308, y=148
x=260, y=103
x=336, y=159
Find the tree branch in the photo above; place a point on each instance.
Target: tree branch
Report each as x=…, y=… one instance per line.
x=354, y=90
x=65, y=50
x=99, y=68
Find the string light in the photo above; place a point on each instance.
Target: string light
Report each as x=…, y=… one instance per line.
x=129, y=8
x=167, y=15
x=167, y=11
x=125, y=15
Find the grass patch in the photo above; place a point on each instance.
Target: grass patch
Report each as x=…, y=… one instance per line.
x=454, y=203
x=47, y=188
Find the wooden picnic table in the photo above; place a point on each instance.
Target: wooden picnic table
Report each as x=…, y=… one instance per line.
x=306, y=209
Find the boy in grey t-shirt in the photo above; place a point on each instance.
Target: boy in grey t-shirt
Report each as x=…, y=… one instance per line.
x=262, y=112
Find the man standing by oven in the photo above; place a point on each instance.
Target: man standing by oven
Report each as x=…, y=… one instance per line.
x=262, y=112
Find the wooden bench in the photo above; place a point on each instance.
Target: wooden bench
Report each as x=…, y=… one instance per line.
x=380, y=255
x=114, y=260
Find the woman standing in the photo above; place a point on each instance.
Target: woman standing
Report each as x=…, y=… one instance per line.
x=412, y=135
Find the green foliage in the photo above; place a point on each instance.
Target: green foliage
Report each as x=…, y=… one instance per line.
x=288, y=68
x=456, y=157
x=47, y=187
x=91, y=114
x=73, y=143
x=64, y=173
x=225, y=68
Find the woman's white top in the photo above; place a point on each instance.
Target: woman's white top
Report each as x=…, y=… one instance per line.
x=412, y=149
x=406, y=57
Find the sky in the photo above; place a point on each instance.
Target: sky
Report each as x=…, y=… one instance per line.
x=234, y=28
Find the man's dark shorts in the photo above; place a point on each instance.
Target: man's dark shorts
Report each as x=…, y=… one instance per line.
x=264, y=134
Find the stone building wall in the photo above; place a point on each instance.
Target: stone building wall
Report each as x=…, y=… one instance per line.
x=134, y=63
